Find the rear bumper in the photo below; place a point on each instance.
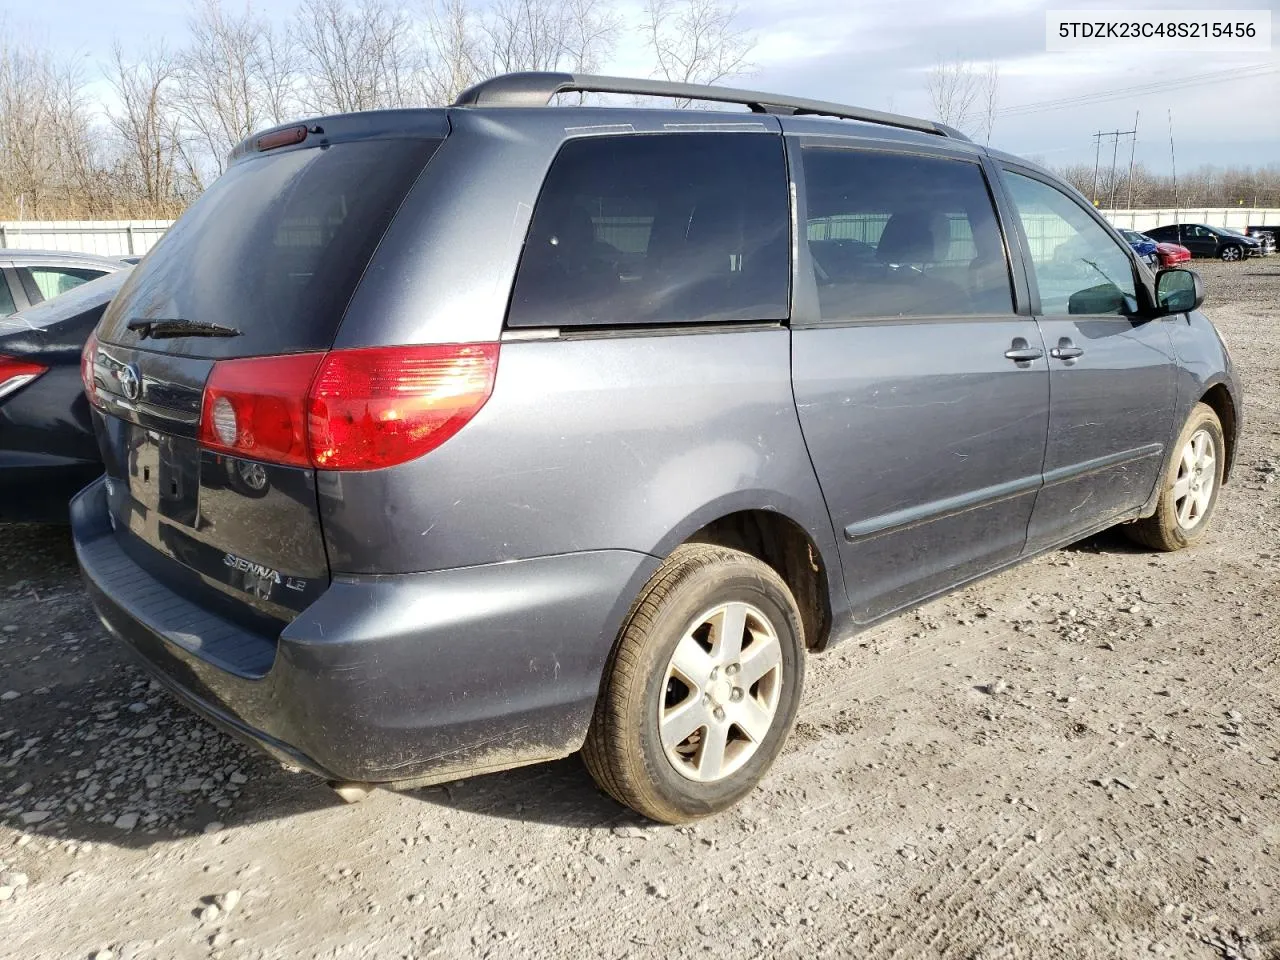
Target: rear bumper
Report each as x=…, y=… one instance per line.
x=37, y=487
x=404, y=679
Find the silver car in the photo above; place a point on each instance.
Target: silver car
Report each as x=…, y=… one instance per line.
x=28, y=277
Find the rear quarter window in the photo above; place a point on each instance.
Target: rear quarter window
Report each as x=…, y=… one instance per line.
x=658, y=229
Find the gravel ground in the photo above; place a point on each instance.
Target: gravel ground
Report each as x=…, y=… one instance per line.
x=1077, y=758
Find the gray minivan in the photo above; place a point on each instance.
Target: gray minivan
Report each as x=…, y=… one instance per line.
x=443, y=441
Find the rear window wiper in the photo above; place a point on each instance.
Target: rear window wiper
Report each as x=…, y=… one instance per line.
x=160, y=329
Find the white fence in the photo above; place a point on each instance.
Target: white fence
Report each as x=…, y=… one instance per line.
x=121, y=238
x=1236, y=218
x=109, y=238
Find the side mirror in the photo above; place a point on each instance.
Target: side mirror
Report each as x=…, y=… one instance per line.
x=1178, y=291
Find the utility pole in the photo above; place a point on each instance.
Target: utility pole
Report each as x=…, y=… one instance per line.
x=1173, y=160
x=1133, y=143
x=1097, y=147
x=1115, y=136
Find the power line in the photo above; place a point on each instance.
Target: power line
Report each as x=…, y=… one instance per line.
x=1249, y=72
x=1246, y=73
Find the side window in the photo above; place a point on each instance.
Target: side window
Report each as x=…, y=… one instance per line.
x=51, y=281
x=664, y=228
x=902, y=236
x=7, y=305
x=1079, y=267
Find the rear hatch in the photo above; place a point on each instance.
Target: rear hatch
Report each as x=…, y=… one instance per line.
x=261, y=266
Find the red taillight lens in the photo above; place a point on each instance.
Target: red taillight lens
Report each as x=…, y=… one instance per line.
x=16, y=373
x=347, y=409
x=256, y=408
x=88, y=357
x=381, y=406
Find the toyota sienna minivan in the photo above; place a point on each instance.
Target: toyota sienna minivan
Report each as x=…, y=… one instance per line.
x=444, y=441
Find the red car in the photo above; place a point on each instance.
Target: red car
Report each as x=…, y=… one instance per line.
x=1172, y=254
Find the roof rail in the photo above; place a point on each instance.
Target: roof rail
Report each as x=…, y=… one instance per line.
x=537, y=89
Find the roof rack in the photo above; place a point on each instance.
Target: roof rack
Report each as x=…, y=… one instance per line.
x=537, y=89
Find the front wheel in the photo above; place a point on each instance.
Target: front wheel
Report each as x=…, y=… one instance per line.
x=1232, y=253
x=702, y=687
x=1191, y=486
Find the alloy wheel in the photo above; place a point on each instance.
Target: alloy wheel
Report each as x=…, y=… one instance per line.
x=721, y=692
x=1197, y=475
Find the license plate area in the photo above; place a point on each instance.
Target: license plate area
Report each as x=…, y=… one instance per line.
x=163, y=474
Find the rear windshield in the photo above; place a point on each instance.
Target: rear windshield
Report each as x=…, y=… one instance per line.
x=273, y=249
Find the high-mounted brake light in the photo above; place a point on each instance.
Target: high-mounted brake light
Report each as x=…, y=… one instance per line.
x=283, y=138
x=16, y=373
x=358, y=409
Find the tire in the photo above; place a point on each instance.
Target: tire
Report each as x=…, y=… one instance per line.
x=1232, y=253
x=625, y=750
x=1168, y=528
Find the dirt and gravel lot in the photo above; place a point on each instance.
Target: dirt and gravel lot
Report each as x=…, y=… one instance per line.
x=1078, y=758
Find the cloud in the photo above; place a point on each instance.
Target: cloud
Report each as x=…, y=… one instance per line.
x=878, y=54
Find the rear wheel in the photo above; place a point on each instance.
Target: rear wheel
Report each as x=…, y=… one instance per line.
x=1191, y=486
x=702, y=687
x=1232, y=253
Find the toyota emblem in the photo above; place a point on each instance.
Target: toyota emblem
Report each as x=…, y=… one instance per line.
x=130, y=384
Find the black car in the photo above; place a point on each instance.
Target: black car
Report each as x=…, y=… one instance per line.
x=1206, y=241
x=47, y=447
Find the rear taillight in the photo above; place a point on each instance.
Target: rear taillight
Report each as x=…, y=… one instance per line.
x=16, y=373
x=378, y=407
x=346, y=409
x=88, y=357
x=257, y=407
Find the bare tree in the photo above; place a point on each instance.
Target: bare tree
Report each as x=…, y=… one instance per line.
x=964, y=96
x=696, y=41
x=990, y=89
x=591, y=35
x=952, y=92
x=47, y=149
x=231, y=80
x=548, y=34
x=356, y=57
x=146, y=124
x=453, y=56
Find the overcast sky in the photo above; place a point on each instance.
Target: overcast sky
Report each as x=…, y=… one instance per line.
x=877, y=53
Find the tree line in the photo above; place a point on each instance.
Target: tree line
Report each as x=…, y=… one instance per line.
x=177, y=111
x=1205, y=186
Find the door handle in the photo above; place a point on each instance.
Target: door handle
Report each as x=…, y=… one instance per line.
x=1066, y=350
x=1022, y=351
